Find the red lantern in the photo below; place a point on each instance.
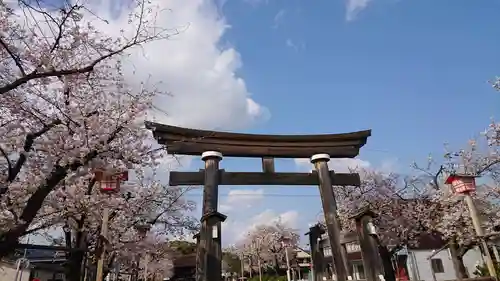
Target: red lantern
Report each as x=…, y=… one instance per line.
x=462, y=183
x=109, y=182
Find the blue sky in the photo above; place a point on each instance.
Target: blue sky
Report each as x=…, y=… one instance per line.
x=415, y=72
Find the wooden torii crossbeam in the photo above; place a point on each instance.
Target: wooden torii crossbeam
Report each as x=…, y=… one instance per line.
x=264, y=178
x=212, y=146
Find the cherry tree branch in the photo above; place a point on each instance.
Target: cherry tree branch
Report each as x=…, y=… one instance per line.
x=9, y=167
x=63, y=72
x=9, y=239
x=14, y=57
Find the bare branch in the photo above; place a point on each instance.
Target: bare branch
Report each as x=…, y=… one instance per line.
x=14, y=57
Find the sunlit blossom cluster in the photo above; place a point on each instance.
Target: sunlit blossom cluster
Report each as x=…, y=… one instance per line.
x=66, y=110
x=266, y=244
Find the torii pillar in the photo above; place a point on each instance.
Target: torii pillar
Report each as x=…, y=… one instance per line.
x=209, y=250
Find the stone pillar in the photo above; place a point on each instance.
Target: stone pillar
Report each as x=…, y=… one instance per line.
x=369, y=245
x=213, y=260
x=320, y=162
x=209, y=251
x=196, y=238
x=317, y=256
x=211, y=188
x=347, y=265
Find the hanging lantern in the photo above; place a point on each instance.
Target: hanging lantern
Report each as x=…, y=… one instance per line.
x=109, y=181
x=462, y=183
x=285, y=241
x=143, y=228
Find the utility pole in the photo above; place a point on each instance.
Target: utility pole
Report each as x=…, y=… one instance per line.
x=146, y=261
x=288, y=277
x=242, y=266
x=260, y=268
x=285, y=241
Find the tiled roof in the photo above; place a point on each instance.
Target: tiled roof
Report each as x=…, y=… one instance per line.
x=185, y=260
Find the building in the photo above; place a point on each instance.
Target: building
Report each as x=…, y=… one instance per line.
x=43, y=265
x=353, y=256
x=301, y=263
x=302, y=258
x=411, y=263
x=440, y=266
x=184, y=267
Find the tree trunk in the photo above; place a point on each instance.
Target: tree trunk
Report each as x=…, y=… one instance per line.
x=9, y=241
x=457, y=256
x=386, y=257
x=109, y=266
x=73, y=268
x=91, y=271
x=276, y=264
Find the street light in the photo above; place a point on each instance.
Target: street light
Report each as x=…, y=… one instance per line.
x=109, y=183
x=465, y=184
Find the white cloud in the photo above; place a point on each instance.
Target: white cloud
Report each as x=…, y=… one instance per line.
x=256, y=2
x=241, y=199
x=342, y=165
x=389, y=166
x=289, y=218
x=202, y=77
x=289, y=43
x=234, y=231
x=353, y=7
x=294, y=45
x=279, y=18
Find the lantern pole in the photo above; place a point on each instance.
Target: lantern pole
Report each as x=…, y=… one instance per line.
x=242, y=266
x=480, y=233
x=104, y=234
x=146, y=262
x=114, y=184
x=466, y=184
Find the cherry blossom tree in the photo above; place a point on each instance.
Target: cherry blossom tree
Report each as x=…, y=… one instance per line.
x=401, y=206
x=401, y=211
x=152, y=252
x=412, y=208
x=452, y=218
x=66, y=109
x=266, y=244
x=140, y=207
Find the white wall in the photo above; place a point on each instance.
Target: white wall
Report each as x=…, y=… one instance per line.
x=423, y=265
x=45, y=275
x=8, y=273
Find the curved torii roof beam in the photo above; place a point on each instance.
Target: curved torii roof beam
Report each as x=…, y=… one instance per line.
x=186, y=141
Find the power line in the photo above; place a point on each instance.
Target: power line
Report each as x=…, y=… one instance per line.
x=259, y=195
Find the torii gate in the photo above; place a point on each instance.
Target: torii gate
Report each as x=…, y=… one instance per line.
x=212, y=146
